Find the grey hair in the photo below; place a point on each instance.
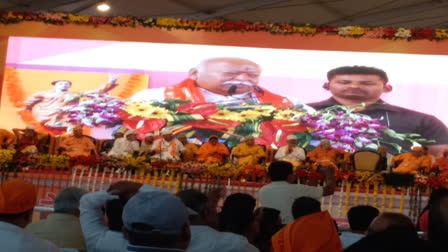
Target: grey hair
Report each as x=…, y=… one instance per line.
x=67, y=200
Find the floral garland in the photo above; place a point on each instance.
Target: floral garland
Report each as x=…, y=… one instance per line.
x=223, y=26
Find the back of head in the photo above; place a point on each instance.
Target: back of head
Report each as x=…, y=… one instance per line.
x=360, y=217
x=195, y=200
x=114, y=211
x=304, y=206
x=269, y=222
x=156, y=219
x=237, y=213
x=394, y=221
x=67, y=200
x=17, y=200
x=358, y=70
x=438, y=218
x=280, y=170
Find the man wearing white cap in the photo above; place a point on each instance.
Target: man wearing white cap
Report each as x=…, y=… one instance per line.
x=126, y=145
x=146, y=148
x=291, y=152
x=168, y=148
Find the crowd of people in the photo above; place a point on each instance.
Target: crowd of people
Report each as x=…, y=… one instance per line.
x=130, y=216
x=169, y=147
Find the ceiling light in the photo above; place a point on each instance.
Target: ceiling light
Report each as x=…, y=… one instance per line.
x=103, y=6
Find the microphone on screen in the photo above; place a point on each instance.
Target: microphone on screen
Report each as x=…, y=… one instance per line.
x=232, y=90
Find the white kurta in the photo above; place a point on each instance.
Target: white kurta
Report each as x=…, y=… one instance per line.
x=163, y=150
x=297, y=155
x=122, y=147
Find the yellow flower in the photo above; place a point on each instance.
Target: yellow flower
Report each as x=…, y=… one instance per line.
x=225, y=115
x=146, y=110
x=249, y=115
x=440, y=33
x=304, y=29
x=264, y=110
x=78, y=18
x=356, y=31
x=289, y=115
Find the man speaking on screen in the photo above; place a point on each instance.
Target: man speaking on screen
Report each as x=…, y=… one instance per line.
x=227, y=81
x=361, y=87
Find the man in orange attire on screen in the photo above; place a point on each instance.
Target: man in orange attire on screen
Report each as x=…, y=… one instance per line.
x=213, y=151
x=229, y=81
x=355, y=86
x=46, y=105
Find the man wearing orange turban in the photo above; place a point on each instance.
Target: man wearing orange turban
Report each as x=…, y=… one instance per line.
x=310, y=233
x=17, y=201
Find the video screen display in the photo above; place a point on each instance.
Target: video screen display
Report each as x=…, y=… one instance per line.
x=368, y=99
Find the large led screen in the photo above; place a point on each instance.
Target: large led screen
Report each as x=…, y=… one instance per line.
x=368, y=99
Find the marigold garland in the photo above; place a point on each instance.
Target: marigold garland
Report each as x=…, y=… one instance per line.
x=223, y=26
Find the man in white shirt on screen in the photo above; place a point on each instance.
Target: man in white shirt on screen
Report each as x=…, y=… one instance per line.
x=291, y=152
x=167, y=148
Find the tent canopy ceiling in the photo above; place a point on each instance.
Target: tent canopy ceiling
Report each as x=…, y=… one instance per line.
x=387, y=13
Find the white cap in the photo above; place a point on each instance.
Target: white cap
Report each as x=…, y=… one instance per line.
x=291, y=137
x=166, y=132
x=29, y=127
x=130, y=132
x=149, y=134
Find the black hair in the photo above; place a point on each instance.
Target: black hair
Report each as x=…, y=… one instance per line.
x=14, y=217
x=305, y=205
x=363, y=70
x=360, y=217
x=279, y=170
x=437, y=225
x=56, y=81
x=194, y=200
x=237, y=213
x=114, y=211
x=145, y=235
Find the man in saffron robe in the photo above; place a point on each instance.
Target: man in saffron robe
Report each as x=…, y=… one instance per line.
x=191, y=149
x=247, y=153
x=213, y=151
x=168, y=148
x=324, y=155
x=428, y=159
x=219, y=80
x=310, y=233
x=410, y=162
x=78, y=145
x=46, y=105
x=442, y=164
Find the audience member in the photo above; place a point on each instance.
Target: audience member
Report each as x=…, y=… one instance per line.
x=114, y=211
x=203, y=222
x=17, y=201
x=66, y=214
x=359, y=219
x=304, y=206
x=391, y=220
x=281, y=193
x=156, y=221
x=237, y=215
x=269, y=223
x=314, y=232
x=438, y=220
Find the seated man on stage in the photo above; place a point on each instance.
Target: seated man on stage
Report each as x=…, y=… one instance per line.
x=213, y=151
x=442, y=164
x=7, y=139
x=411, y=162
x=324, y=156
x=291, y=152
x=168, y=148
x=191, y=149
x=218, y=80
x=247, y=153
x=148, y=142
x=27, y=140
x=126, y=145
x=77, y=145
x=428, y=159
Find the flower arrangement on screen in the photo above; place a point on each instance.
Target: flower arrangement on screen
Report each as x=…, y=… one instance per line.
x=345, y=129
